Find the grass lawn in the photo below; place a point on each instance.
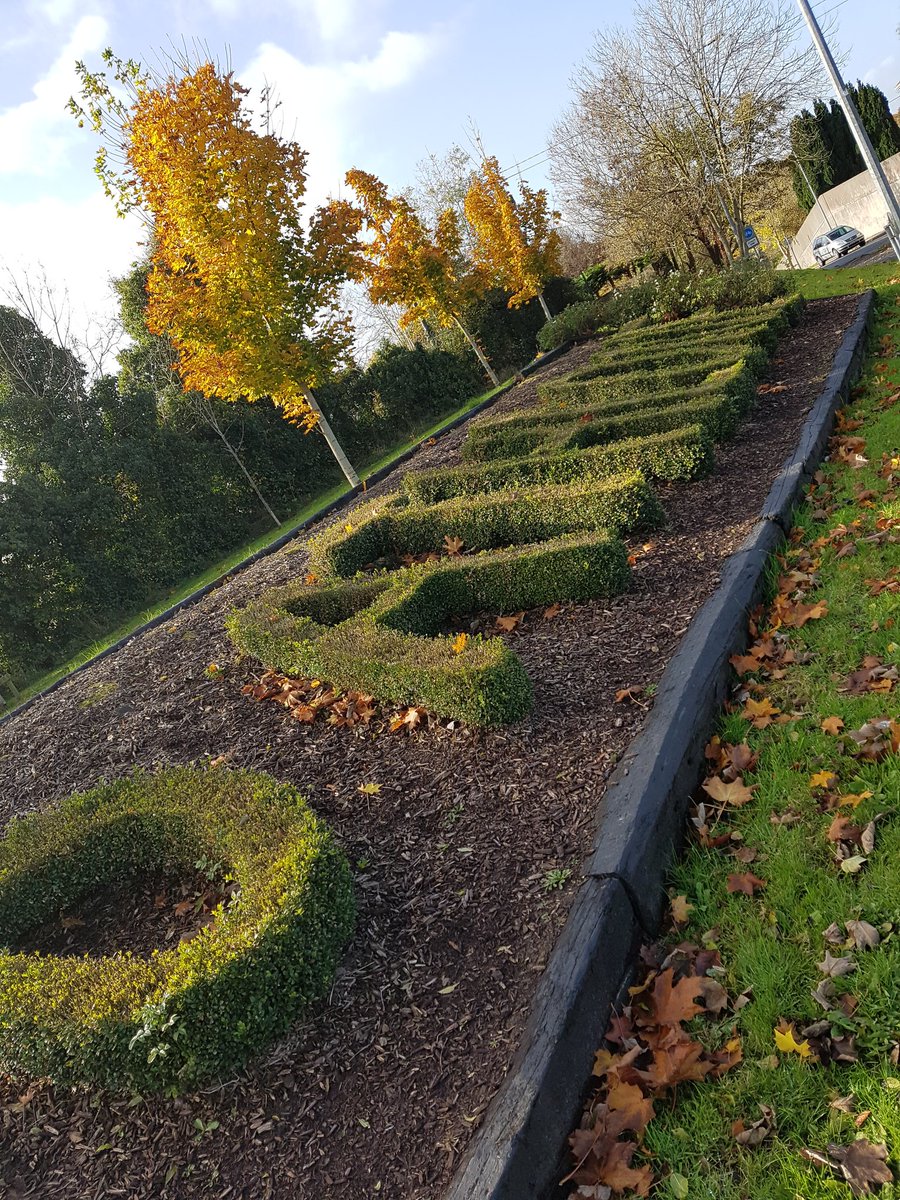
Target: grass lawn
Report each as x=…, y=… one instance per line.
x=806, y=779
x=224, y=565
x=815, y=282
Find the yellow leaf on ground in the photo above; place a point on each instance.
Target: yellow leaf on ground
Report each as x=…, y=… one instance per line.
x=788, y=1044
x=459, y=643
x=832, y=725
x=822, y=779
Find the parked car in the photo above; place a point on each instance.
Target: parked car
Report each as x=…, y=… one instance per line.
x=836, y=243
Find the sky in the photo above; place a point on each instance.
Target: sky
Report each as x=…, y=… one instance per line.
x=376, y=84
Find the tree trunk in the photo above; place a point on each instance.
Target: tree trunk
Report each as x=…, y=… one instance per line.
x=488, y=369
x=237, y=458
x=333, y=444
x=543, y=303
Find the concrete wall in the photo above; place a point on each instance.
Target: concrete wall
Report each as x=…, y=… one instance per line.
x=855, y=202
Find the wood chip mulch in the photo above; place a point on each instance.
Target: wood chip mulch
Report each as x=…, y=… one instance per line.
x=377, y=1091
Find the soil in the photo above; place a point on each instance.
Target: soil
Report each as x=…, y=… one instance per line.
x=378, y=1090
x=137, y=915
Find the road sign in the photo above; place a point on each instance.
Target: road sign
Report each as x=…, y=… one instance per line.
x=750, y=239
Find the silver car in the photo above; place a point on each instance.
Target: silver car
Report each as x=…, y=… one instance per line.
x=836, y=243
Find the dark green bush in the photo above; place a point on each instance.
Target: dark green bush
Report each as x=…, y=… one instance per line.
x=380, y=636
x=576, y=321
x=679, y=454
x=779, y=314
x=198, y=1009
x=388, y=529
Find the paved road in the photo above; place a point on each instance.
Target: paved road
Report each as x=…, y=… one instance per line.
x=877, y=250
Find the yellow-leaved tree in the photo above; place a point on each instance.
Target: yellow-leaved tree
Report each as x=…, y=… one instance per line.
x=516, y=241
x=424, y=271
x=244, y=284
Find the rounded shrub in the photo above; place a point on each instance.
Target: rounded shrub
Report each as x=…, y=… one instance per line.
x=199, y=1009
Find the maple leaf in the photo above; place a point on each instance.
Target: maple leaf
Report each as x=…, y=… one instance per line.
x=787, y=1043
x=551, y=612
x=508, y=624
x=745, y=884
x=741, y=757
x=681, y=909
x=617, y=1173
x=408, y=719
x=822, y=779
x=832, y=725
x=759, y=712
x=453, y=545
x=674, y=1003
x=735, y=792
x=853, y=798
x=630, y=694
x=863, y=1164
x=745, y=663
x=834, y=968
x=369, y=789
x=674, y=1064
x=634, y=1108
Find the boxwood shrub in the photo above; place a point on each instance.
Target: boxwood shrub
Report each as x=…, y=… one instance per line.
x=678, y=454
x=577, y=320
x=195, y=1010
x=717, y=414
x=382, y=635
x=386, y=529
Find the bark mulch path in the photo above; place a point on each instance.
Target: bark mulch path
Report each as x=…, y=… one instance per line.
x=377, y=1092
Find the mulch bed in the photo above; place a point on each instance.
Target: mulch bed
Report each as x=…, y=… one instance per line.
x=378, y=1091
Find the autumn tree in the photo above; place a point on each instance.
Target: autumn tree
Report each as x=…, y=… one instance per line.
x=516, y=242
x=677, y=113
x=243, y=283
x=423, y=270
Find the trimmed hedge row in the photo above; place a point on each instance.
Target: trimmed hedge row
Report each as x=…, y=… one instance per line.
x=381, y=635
x=679, y=454
x=718, y=415
x=199, y=1009
x=782, y=312
x=393, y=527
x=586, y=387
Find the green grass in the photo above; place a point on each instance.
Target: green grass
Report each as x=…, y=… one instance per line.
x=771, y=944
x=813, y=282
x=224, y=565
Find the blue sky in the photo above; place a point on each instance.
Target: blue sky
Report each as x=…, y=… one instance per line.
x=371, y=83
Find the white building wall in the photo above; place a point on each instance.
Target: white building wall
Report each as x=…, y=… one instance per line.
x=855, y=202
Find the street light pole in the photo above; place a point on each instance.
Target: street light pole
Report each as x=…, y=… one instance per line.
x=866, y=149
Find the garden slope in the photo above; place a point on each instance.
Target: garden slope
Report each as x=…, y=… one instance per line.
x=385, y=1083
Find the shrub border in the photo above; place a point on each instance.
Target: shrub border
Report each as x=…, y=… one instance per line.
x=335, y=506
x=518, y=1151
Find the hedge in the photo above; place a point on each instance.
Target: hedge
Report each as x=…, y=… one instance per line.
x=678, y=454
x=586, y=387
x=198, y=1009
x=717, y=414
x=382, y=635
x=393, y=527
x=782, y=313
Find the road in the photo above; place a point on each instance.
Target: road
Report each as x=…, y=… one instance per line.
x=877, y=250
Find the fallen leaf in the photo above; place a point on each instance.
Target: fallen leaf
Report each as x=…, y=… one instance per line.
x=863, y=935
x=369, y=789
x=746, y=884
x=680, y=909
x=757, y=1132
x=760, y=712
x=735, y=792
x=863, y=1164
x=836, y=967
x=822, y=779
x=508, y=624
x=788, y=1044
x=854, y=864
x=459, y=643
x=453, y=545
x=832, y=725
x=553, y=611
x=630, y=694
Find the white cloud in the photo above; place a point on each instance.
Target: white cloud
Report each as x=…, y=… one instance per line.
x=320, y=102
x=35, y=135
x=81, y=244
